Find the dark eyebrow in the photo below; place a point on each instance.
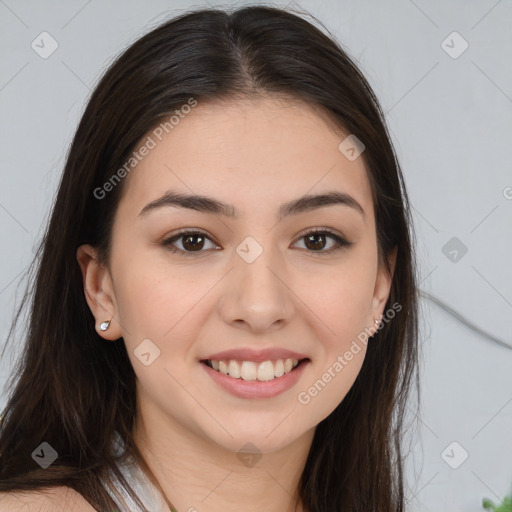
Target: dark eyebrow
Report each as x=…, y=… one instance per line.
x=207, y=204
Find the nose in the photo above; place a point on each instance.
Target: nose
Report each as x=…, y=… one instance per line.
x=256, y=295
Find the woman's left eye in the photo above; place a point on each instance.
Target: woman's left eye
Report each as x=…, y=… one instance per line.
x=194, y=241
x=312, y=238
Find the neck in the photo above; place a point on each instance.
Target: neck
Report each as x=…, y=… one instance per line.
x=197, y=474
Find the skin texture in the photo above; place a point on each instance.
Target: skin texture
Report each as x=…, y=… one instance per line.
x=58, y=499
x=256, y=155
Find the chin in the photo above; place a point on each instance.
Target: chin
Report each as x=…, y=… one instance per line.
x=267, y=437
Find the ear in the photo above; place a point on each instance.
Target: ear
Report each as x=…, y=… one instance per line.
x=382, y=287
x=99, y=292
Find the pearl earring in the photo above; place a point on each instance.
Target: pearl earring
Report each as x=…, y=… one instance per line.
x=104, y=325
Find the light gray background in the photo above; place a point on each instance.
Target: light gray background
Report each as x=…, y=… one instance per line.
x=451, y=122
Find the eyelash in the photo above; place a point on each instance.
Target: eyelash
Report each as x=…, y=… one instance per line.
x=340, y=242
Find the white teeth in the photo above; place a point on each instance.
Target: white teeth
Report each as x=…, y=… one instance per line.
x=249, y=370
x=234, y=369
x=279, y=368
x=266, y=371
x=223, y=367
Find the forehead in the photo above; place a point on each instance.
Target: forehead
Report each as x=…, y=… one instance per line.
x=251, y=152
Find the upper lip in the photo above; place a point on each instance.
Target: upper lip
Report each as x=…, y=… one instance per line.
x=258, y=356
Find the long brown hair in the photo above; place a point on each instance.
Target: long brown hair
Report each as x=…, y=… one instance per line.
x=74, y=391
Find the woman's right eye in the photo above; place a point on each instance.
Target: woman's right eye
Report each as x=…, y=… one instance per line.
x=191, y=241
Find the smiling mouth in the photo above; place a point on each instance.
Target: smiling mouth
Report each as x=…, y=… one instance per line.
x=249, y=370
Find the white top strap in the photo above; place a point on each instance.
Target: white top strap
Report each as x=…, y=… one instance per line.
x=144, y=488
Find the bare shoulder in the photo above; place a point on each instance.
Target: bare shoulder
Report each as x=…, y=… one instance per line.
x=59, y=499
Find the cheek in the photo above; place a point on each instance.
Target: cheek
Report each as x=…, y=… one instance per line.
x=158, y=308
x=163, y=302
x=156, y=302
x=341, y=300
x=340, y=296
x=333, y=384
x=343, y=307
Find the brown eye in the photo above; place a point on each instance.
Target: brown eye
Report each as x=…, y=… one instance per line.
x=191, y=241
x=316, y=241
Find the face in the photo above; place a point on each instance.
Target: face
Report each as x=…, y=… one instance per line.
x=188, y=282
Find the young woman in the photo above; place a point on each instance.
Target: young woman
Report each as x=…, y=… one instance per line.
x=224, y=315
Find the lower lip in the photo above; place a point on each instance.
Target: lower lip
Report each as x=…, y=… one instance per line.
x=256, y=388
